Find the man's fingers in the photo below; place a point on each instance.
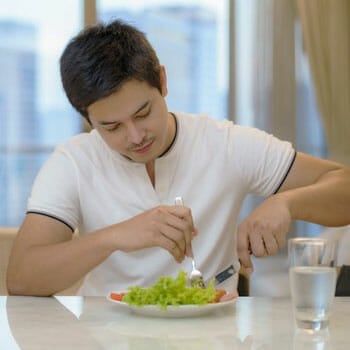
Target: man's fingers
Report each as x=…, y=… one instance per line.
x=267, y=244
x=281, y=240
x=171, y=247
x=175, y=223
x=183, y=220
x=183, y=213
x=246, y=262
x=270, y=243
x=257, y=245
x=174, y=235
x=244, y=251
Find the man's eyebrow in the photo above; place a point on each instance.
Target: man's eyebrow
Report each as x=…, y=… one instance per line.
x=137, y=111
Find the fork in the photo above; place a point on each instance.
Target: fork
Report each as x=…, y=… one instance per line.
x=196, y=277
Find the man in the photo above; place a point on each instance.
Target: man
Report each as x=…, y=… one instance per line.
x=117, y=184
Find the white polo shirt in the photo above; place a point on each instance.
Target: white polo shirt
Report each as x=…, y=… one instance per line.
x=212, y=164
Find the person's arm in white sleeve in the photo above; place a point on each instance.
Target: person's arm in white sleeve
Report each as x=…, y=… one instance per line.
x=315, y=190
x=45, y=259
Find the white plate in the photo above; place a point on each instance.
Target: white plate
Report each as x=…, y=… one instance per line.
x=175, y=311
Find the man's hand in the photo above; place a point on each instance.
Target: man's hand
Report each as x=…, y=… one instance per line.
x=168, y=227
x=264, y=231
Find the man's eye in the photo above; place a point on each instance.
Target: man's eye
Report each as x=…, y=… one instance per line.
x=113, y=128
x=143, y=115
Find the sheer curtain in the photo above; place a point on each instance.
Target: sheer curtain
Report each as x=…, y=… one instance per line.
x=326, y=32
x=273, y=93
x=265, y=82
x=274, y=88
x=265, y=71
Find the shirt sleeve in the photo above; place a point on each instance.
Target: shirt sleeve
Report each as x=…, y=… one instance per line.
x=55, y=190
x=262, y=160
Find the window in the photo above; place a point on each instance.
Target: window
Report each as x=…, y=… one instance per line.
x=34, y=113
x=191, y=40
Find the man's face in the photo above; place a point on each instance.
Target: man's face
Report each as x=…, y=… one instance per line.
x=134, y=121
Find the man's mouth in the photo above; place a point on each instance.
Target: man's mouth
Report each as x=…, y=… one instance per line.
x=144, y=148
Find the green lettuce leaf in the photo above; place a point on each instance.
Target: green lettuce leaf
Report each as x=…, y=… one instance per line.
x=170, y=291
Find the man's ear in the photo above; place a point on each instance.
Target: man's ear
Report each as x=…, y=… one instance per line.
x=163, y=81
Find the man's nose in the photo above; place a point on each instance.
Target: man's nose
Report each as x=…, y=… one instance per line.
x=135, y=134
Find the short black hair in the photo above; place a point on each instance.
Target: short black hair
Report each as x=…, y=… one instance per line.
x=98, y=60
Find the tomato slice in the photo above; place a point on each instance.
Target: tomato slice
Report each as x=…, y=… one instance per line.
x=117, y=296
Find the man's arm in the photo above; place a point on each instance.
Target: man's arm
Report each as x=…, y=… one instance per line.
x=315, y=190
x=318, y=191
x=45, y=259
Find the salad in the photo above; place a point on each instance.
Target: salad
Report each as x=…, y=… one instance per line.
x=171, y=291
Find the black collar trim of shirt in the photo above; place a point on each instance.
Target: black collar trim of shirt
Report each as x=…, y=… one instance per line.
x=174, y=139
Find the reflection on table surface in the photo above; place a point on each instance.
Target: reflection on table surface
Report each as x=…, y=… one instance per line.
x=252, y=323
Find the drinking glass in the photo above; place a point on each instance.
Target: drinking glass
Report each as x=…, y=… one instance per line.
x=309, y=340
x=312, y=277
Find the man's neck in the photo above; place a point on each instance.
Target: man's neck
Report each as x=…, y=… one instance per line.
x=150, y=166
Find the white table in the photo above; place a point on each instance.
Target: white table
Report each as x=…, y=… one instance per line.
x=253, y=323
